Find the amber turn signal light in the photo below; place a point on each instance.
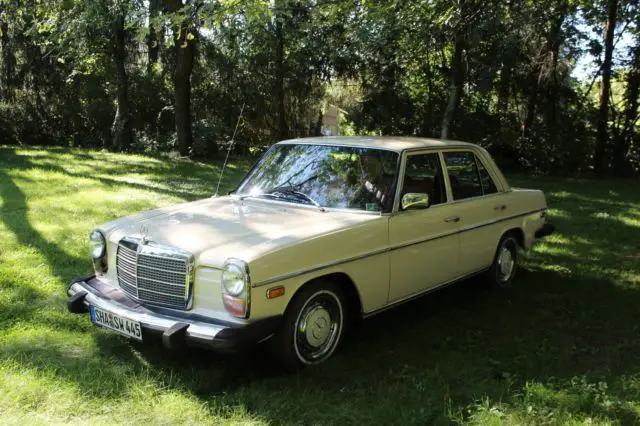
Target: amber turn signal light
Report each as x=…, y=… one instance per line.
x=274, y=292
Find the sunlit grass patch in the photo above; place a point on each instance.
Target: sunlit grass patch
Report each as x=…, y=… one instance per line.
x=561, y=347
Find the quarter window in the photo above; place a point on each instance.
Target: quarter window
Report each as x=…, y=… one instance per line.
x=463, y=174
x=423, y=175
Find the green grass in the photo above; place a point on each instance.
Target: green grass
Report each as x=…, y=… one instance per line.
x=561, y=347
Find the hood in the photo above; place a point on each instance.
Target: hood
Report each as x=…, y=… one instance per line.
x=218, y=228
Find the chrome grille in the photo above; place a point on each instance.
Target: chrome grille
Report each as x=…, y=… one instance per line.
x=153, y=273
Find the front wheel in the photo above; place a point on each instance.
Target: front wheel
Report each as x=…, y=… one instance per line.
x=505, y=262
x=313, y=326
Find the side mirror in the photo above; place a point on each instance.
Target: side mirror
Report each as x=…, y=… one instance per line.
x=414, y=201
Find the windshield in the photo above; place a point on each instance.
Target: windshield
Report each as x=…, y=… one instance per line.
x=326, y=176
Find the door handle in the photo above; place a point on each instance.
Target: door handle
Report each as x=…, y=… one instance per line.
x=500, y=207
x=452, y=219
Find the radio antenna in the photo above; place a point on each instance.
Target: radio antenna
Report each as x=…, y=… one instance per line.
x=231, y=143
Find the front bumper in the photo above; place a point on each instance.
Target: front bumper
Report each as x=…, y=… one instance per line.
x=176, y=329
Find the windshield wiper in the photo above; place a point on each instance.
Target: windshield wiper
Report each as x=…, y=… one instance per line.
x=286, y=192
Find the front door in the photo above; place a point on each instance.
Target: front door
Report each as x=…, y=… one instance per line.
x=424, y=243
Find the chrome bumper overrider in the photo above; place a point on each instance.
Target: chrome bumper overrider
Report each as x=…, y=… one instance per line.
x=176, y=328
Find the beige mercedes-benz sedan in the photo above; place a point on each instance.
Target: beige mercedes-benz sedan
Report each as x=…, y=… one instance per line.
x=320, y=231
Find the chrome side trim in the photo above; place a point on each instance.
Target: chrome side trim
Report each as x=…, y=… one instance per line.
x=501, y=219
x=423, y=240
x=423, y=293
x=389, y=249
x=319, y=267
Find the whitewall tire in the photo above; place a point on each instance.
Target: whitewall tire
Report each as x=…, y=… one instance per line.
x=313, y=326
x=505, y=263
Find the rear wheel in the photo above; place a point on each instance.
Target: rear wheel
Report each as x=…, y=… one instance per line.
x=505, y=262
x=313, y=326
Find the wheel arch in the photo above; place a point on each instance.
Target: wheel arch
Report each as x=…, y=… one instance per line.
x=518, y=234
x=351, y=293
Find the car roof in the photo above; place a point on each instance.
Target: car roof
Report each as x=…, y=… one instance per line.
x=393, y=143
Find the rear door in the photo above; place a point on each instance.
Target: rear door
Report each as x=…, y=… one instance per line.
x=480, y=206
x=424, y=243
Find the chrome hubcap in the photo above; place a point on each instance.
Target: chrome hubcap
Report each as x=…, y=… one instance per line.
x=318, y=327
x=506, y=263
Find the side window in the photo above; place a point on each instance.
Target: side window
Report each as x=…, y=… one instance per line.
x=424, y=175
x=463, y=174
x=488, y=185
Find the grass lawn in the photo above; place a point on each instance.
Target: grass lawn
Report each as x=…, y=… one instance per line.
x=561, y=347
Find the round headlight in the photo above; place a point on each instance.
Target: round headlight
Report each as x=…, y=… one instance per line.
x=234, y=278
x=98, y=245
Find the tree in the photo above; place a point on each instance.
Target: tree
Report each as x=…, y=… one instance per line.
x=602, y=121
x=97, y=31
x=554, y=41
x=121, y=129
x=8, y=59
x=279, y=90
x=457, y=71
x=544, y=71
x=184, y=49
x=154, y=36
x=621, y=163
x=96, y=73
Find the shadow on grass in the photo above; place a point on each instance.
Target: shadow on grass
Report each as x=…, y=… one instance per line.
x=415, y=364
x=204, y=176
x=26, y=298
x=422, y=363
x=14, y=211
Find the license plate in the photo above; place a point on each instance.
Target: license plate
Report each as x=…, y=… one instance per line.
x=122, y=325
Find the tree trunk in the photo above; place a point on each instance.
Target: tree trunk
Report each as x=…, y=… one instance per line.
x=283, y=130
x=428, y=124
x=33, y=57
x=621, y=166
x=553, y=46
x=184, y=48
x=8, y=61
x=532, y=101
x=121, y=129
x=504, y=87
x=153, y=43
x=455, y=89
x=599, y=160
x=506, y=72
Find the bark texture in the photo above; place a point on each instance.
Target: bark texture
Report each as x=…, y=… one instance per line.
x=121, y=131
x=184, y=50
x=602, y=136
x=283, y=129
x=153, y=42
x=457, y=81
x=8, y=61
x=621, y=165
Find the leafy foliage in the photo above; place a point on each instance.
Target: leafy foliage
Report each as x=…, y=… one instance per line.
x=496, y=73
